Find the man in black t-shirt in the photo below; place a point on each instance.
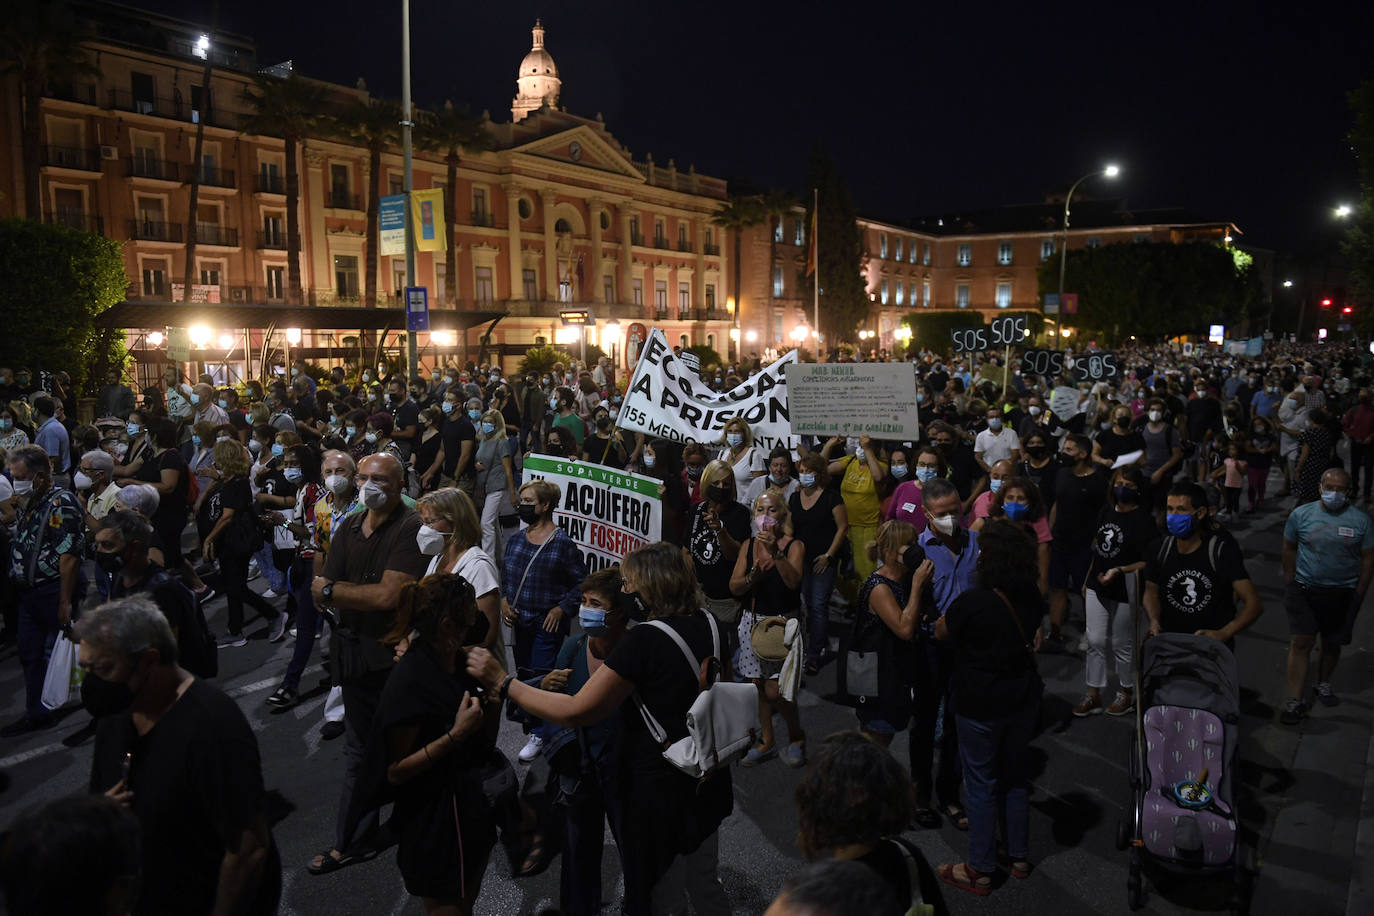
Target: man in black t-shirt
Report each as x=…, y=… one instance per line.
x=181, y=756
x=405, y=415
x=1193, y=577
x=1080, y=492
x=460, y=443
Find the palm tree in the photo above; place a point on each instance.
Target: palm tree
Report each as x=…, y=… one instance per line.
x=453, y=132
x=375, y=124
x=289, y=108
x=738, y=214
x=41, y=44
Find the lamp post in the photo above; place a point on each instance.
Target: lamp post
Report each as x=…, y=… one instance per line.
x=412, y=352
x=1110, y=171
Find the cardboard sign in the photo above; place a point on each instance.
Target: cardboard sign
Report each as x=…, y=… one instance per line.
x=1064, y=402
x=1009, y=330
x=665, y=398
x=853, y=399
x=1095, y=367
x=1043, y=362
x=606, y=512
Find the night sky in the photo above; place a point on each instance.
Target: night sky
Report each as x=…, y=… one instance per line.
x=1233, y=110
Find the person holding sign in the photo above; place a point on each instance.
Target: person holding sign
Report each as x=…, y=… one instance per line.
x=864, y=474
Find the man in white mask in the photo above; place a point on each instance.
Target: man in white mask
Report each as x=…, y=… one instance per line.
x=373, y=555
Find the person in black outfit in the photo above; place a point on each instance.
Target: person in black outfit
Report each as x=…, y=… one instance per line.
x=662, y=458
x=964, y=470
x=165, y=469
x=1080, y=492
x=679, y=844
x=1118, y=440
x=718, y=529
x=460, y=444
x=1040, y=464
x=233, y=537
x=181, y=756
x=86, y=835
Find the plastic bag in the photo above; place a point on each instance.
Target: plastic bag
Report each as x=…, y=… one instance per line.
x=62, y=683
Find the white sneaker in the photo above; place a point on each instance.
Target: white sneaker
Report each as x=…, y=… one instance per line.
x=270, y=594
x=532, y=749
x=279, y=628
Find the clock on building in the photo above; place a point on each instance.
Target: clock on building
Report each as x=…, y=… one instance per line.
x=575, y=151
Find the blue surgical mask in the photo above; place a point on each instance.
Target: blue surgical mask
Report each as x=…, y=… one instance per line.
x=777, y=481
x=195, y=398
x=475, y=415
x=292, y=474
x=925, y=475
x=6, y=424
x=352, y=431
x=277, y=449
x=195, y=440
x=648, y=460
x=223, y=404
x=488, y=428
x=735, y=439
x=1334, y=499
x=898, y=470
x=1015, y=511
x=593, y=620
x=447, y=407
x=133, y=429
x=1180, y=524
x=920, y=397
x=807, y=480
x=995, y=484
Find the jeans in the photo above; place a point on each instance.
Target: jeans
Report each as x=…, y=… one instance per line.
x=584, y=838
x=276, y=579
x=234, y=578
x=1361, y=460
x=933, y=665
x=815, y=593
x=38, y=629
x=536, y=649
x=996, y=782
x=301, y=576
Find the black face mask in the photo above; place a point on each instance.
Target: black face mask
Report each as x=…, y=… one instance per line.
x=717, y=494
x=109, y=562
x=528, y=513
x=1127, y=496
x=104, y=698
x=1037, y=451
x=633, y=606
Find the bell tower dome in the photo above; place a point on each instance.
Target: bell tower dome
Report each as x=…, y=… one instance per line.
x=537, y=82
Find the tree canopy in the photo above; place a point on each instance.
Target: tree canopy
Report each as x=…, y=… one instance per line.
x=840, y=254
x=57, y=280
x=1153, y=289
x=1358, y=245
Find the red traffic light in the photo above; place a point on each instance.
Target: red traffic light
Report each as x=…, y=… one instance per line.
x=1326, y=303
x=1347, y=310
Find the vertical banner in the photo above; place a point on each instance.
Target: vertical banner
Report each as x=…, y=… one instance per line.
x=391, y=224
x=1070, y=303
x=606, y=512
x=427, y=210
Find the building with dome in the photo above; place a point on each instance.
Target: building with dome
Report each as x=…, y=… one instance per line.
x=557, y=216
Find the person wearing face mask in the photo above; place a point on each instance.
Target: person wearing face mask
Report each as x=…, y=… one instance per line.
x=566, y=417
x=1118, y=439
x=1196, y=574
x=1163, y=452
x=1080, y=492
x=46, y=553
x=1260, y=447
x=11, y=436
x=541, y=578
x=1020, y=501
x=426, y=460
x=662, y=459
x=695, y=457
x=926, y=464
x=1125, y=530
x=450, y=535
x=274, y=502
x=1203, y=416
x=495, y=477
x=1293, y=418
x=404, y=414
x=205, y=410
x=737, y=450
x=864, y=477
x=606, y=446
x=996, y=442
x=207, y=843
x=1040, y=465
x=1040, y=419
x=139, y=446
x=997, y=477
x=964, y=471
x=781, y=475
x=377, y=437
x=166, y=471
x=177, y=395
x=719, y=526
x=372, y=556
x=232, y=537
x=459, y=443
x=95, y=487
x=533, y=404
x=1316, y=452
x=1328, y=564
x=821, y=523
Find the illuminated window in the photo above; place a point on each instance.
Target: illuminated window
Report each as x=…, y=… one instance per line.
x=897, y=243
x=961, y=295
x=882, y=244
x=1095, y=241
x=965, y=254
x=778, y=289
x=925, y=294
x=1004, y=253
x=898, y=299
x=911, y=251
x=1046, y=249
x=1003, y=295
x=883, y=294
x=925, y=254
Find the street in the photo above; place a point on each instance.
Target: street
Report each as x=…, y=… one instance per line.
x=1302, y=792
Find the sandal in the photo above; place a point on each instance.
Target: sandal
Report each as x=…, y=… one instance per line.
x=536, y=859
x=974, y=882
x=957, y=816
x=927, y=818
x=332, y=860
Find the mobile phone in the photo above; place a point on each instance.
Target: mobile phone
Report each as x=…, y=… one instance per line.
x=125, y=767
x=767, y=523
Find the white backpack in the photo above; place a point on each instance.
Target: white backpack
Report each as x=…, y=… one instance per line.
x=723, y=722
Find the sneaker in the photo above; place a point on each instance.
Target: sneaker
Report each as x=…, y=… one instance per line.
x=532, y=749
x=757, y=756
x=292, y=631
x=279, y=628
x=233, y=641
x=253, y=571
x=1325, y=695
x=284, y=698
x=1293, y=711
x=1123, y=704
x=331, y=730
x=1090, y=705
x=205, y=595
x=794, y=755
x=271, y=593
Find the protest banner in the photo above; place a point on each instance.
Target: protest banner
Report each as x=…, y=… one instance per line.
x=666, y=399
x=853, y=399
x=606, y=512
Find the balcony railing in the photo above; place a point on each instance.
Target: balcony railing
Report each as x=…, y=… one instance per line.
x=71, y=92
x=176, y=109
x=72, y=157
x=76, y=219
x=483, y=218
x=711, y=249
x=684, y=245
x=661, y=243
x=145, y=167
x=213, y=234
x=636, y=239
x=269, y=184
x=342, y=200
x=217, y=178
x=275, y=240
x=154, y=231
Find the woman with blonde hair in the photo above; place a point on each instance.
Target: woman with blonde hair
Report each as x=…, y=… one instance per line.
x=495, y=475
x=233, y=538
x=450, y=534
x=738, y=451
x=677, y=848
x=718, y=529
x=767, y=578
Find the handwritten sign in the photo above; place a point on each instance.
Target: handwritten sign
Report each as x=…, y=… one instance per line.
x=853, y=399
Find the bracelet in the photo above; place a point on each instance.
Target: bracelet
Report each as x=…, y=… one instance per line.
x=426, y=750
x=504, y=692
x=449, y=736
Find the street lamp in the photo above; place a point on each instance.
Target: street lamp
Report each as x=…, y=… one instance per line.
x=800, y=332
x=610, y=334
x=200, y=335
x=1111, y=171
x=1343, y=210
x=155, y=338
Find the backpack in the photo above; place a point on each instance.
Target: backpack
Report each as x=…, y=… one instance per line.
x=1213, y=549
x=723, y=722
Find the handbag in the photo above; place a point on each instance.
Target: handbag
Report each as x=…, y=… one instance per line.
x=766, y=637
x=62, y=683
x=856, y=674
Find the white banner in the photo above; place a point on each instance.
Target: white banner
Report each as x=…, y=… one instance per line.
x=666, y=399
x=853, y=399
x=606, y=512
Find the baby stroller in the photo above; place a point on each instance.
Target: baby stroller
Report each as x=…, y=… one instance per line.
x=1183, y=759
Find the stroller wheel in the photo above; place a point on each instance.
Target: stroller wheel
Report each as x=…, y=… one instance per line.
x=1123, y=834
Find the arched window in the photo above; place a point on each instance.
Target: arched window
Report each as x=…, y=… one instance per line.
x=562, y=226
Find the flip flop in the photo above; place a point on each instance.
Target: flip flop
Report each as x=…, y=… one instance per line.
x=927, y=818
x=957, y=816
x=328, y=863
x=977, y=882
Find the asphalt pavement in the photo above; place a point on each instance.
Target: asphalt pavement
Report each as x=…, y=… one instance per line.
x=1305, y=794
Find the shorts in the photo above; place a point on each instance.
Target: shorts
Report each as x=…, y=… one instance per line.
x=1326, y=611
x=1069, y=566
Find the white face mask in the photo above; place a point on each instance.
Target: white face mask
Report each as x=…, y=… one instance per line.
x=1156, y=416
x=944, y=524
x=430, y=541
x=82, y=482
x=338, y=484
x=373, y=496
x=1034, y=411
x=23, y=487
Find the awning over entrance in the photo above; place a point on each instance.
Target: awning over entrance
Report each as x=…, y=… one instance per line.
x=146, y=314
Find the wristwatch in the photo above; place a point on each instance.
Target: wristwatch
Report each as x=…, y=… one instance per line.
x=327, y=593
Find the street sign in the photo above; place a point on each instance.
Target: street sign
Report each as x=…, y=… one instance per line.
x=576, y=316
x=417, y=308
x=1051, y=303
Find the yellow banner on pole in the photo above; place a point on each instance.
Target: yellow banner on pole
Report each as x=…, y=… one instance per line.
x=427, y=210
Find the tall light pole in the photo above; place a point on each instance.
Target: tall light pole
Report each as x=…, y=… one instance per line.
x=412, y=350
x=1110, y=171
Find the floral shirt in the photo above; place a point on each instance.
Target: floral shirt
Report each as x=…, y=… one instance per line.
x=64, y=533
x=326, y=513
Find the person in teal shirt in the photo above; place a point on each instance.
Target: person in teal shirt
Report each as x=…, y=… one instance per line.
x=1328, y=561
